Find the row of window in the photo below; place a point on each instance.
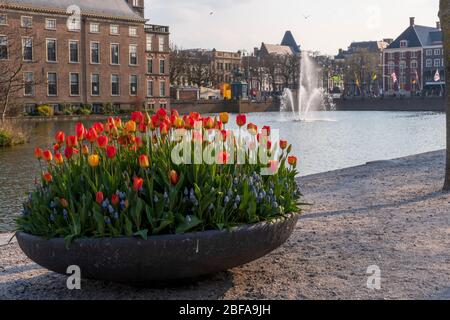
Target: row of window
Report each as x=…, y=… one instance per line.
x=414, y=55
x=162, y=46
x=74, y=81
x=74, y=25
x=227, y=66
x=428, y=52
x=434, y=63
x=437, y=52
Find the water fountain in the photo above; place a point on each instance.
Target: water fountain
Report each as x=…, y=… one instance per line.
x=311, y=95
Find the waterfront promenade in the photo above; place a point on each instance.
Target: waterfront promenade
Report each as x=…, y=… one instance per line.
x=390, y=213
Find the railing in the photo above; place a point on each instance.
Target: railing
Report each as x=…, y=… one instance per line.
x=156, y=28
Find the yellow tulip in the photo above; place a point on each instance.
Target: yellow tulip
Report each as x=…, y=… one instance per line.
x=94, y=160
x=130, y=126
x=224, y=117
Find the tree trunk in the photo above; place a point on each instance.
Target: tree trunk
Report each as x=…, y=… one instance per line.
x=444, y=13
x=5, y=108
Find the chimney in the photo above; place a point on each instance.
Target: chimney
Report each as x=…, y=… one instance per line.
x=412, y=21
x=438, y=25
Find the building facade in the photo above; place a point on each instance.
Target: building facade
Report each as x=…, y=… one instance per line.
x=86, y=53
x=225, y=65
x=157, y=66
x=414, y=63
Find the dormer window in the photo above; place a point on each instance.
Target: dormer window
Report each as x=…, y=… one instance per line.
x=404, y=44
x=135, y=3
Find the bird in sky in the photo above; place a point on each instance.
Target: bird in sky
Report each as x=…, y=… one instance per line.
x=307, y=16
x=211, y=13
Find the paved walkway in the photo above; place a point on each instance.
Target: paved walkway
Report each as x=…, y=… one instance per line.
x=391, y=214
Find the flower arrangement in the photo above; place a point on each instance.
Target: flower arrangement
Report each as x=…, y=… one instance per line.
x=138, y=178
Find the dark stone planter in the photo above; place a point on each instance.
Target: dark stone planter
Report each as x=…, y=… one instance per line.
x=161, y=258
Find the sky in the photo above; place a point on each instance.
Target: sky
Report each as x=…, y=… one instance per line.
x=317, y=25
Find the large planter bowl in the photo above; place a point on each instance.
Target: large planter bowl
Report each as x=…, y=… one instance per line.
x=160, y=258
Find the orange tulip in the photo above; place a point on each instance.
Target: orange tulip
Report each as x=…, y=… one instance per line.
x=64, y=202
x=283, y=144
x=48, y=177
x=292, y=160
x=208, y=123
x=59, y=158
x=38, y=153
x=94, y=160
x=164, y=129
x=137, y=184
x=241, y=120
x=174, y=178
x=130, y=126
x=252, y=128
x=85, y=150
x=224, y=117
x=60, y=137
x=143, y=161
x=47, y=155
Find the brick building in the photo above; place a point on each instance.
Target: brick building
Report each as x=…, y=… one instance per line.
x=95, y=58
x=412, y=61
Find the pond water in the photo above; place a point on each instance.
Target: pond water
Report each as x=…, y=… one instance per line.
x=333, y=141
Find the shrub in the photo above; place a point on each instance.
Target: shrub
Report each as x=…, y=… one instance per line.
x=45, y=111
x=121, y=179
x=11, y=135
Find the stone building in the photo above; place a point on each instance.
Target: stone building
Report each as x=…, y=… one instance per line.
x=225, y=65
x=92, y=53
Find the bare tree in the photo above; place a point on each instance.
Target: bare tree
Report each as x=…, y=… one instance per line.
x=199, y=71
x=12, y=68
x=361, y=68
x=444, y=13
x=178, y=64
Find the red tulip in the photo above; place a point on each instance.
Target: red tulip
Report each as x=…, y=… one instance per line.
x=269, y=145
x=80, y=131
x=64, y=202
x=292, y=160
x=138, y=142
x=266, y=130
x=48, y=177
x=99, y=128
x=56, y=147
x=208, y=123
x=69, y=152
x=174, y=113
x=174, y=178
x=47, y=155
x=223, y=157
x=99, y=197
x=283, y=144
x=137, y=184
x=164, y=129
x=102, y=141
x=137, y=117
x=115, y=200
x=161, y=113
x=60, y=137
x=92, y=135
x=142, y=128
x=241, y=120
x=72, y=141
x=38, y=153
x=111, y=151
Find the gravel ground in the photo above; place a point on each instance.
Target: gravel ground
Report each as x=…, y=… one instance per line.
x=391, y=214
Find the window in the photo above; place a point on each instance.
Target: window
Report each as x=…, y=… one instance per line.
x=162, y=43
x=437, y=52
x=149, y=65
x=95, y=84
x=114, y=29
x=74, y=24
x=414, y=55
x=27, y=49
x=73, y=51
x=133, y=31
x=133, y=85
x=402, y=67
x=26, y=22
x=149, y=38
x=133, y=54
x=135, y=3
x=429, y=52
x=162, y=89
x=391, y=56
x=50, y=24
x=115, y=85
x=149, y=88
x=74, y=84
x=28, y=80
x=94, y=27
x=403, y=43
x=95, y=52
x=3, y=47
x=162, y=66
x=414, y=65
x=437, y=62
x=51, y=50
x=3, y=19
x=402, y=55
x=52, y=84
x=429, y=63
x=114, y=53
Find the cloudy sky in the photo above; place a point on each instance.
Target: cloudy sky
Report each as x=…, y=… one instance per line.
x=244, y=24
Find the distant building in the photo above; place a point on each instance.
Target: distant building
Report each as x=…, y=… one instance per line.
x=414, y=62
x=225, y=65
x=289, y=41
x=369, y=46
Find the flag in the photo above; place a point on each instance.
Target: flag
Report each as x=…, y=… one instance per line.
x=437, y=76
x=394, y=77
x=357, y=80
x=374, y=77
